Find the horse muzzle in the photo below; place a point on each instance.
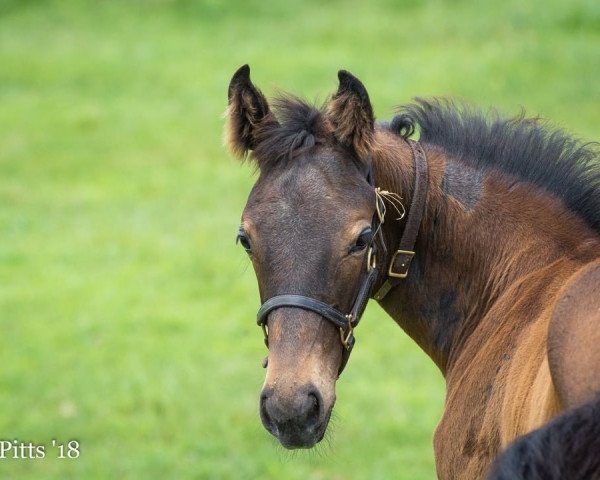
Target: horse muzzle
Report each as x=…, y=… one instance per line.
x=297, y=419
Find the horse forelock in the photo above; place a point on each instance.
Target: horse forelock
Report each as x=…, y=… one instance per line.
x=300, y=127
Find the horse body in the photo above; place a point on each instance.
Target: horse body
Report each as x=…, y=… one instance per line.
x=483, y=314
x=502, y=386
x=503, y=292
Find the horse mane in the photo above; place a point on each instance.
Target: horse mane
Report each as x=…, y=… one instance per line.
x=525, y=148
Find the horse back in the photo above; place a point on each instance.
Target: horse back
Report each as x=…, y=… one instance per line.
x=574, y=338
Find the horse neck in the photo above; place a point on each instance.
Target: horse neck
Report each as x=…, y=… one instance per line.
x=480, y=233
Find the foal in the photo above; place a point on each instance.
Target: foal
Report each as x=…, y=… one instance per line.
x=501, y=288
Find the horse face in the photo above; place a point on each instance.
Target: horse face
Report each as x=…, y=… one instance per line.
x=305, y=237
x=306, y=228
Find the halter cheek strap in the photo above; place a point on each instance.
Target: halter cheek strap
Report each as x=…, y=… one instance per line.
x=402, y=257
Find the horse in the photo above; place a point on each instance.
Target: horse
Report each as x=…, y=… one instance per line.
x=481, y=240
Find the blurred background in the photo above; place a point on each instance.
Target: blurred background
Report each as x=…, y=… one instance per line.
x=126, y=309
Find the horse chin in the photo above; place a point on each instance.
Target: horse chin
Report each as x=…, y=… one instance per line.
x=297, y=443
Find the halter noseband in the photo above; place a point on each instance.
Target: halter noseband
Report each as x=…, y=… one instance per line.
x=398, y=268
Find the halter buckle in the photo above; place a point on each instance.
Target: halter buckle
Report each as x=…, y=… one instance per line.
x=346, y=335
x=406, y=257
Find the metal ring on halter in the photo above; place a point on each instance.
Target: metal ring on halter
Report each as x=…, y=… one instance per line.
x=371, y=259
x=346, y=334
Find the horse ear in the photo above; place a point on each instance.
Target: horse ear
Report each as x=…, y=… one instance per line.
x=247, y=108
x=351, y=114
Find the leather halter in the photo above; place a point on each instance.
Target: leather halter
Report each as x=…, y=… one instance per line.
x=405, y=252
x=398, y=268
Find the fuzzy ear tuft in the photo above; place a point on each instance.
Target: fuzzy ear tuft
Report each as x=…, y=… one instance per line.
x=351, y=114
x=247, y=109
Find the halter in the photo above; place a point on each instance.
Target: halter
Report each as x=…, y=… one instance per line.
x=397, y=270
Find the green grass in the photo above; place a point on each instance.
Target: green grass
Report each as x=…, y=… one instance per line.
x=126, y=310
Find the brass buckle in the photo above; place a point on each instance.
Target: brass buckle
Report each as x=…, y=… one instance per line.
x=371, y=259
x=403, y=274
x=346, y=334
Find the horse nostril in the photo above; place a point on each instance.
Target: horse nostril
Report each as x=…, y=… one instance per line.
x=313, y=407
x=264, y=414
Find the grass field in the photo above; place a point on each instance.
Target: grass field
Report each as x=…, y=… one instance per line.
x=126, y=310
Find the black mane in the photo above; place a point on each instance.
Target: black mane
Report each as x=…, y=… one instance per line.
x=524, y=148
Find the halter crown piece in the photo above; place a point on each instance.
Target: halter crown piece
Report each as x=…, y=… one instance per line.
x=398, y=268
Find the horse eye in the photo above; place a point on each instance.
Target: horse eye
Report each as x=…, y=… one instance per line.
x=363, y=241
x=243, y=240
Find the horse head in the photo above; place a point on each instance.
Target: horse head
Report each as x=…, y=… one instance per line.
x=308, y=228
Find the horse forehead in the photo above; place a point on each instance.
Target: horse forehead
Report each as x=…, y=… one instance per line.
x=308, y=188
x=312, y=178
x=320, y=191
x=304, y=198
